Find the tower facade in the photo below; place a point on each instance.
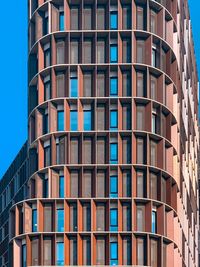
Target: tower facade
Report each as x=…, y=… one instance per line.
x=113, y=136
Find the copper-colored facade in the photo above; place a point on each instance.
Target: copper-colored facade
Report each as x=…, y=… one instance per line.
x=113, y=136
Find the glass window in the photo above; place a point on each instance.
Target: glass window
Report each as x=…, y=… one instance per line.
x=100, y=18
x=140, y=51
x=126, y=84
x=113, y=20
x=73, y=120
x=87, y=84
x=140, y=218
x=47, y=90
x=47, y=155
x=126, y=184
x=47, y=57
x=113, y=86
x=60, y=51
x=60, y=121
x=140, y=251
x=87, y=51
x=154, y=121
x=154, y=253
x=60, y=220
x=140, y=151
x=140, y=184
x=23, y=255
x=113, y=53
x=163, y=189
x=153, y=21
x=140, y=18
x=73, y=251
x=45, y=123
x=74, y=52
x=113, y=253
x=126, y=17
x=113, y=186
x=153, y=186
x=154, y=59
x=140, y=117
x=60, y=254
x=153, y=153
x=126, y=55
x=113, y=120
x=73, y=87
x=45, y=187
x=153, y=87
x=61, y=21
x=45, y=24
x=140, y=84
x=61, y=187
x=87, y=120
x=113, y=153
x=34, y=220
x=74, y=21
x=100, y=84
x=87, y=18
x=86, y=251
x=153, y=221
x=100, y=51
x=113, y=219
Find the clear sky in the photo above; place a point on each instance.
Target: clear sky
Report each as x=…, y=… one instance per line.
x=13, y=75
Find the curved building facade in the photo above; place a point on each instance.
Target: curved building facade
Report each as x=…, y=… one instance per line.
x=113, y=136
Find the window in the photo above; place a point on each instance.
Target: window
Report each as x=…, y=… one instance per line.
x=23, y=255
x=87, y=18
x=100, y=18
x=47, y=88
x=140, y=84
x=127, y=251
x=87, y=85
x=73, y=87
x=47, y=217
x=113, y=20
x=86, y=251
x=140, y=18
x=140, y=218
x=60, y=51
x=141, y=51
x=113, y=253
x=100, y=51
x=113, y=53
x=61, y=21
x=74, y=150
x=140, y=151
x=113, y=86
x=100, y=84
x=73, y=217
x=47, y=251
x=47, y=153
x=87, y=51
x=126, y=120
x=163, y=190
x=153, y=221
x=141, y=117
x=60, y=254
x=87, y=184
x=73, y=120
x=87, y=120
x=140, y=184
x=86, y=217
x=154, y=253
x=153, y=153
x=74, y=184
x=74, y=21
x=34, y=220
x=153, y=186
x=45, y=24
x=45, y=187
x=100, y=216
x=35, y=251
x=113, y=120
x=47, y=56
x=100, y=184
x=126, y=84
x=126, y=51
x=126, y=217
x=140, y=252
x=101, y=117
x=113, y=153
x=101, y=150
x=154, y=121
x=126, y=184
x=60, y=120
x=153, y=21
x=46, y=122
x=73, y=251
x=126, y=17
x=153, y=88
x=153, y=58
x=74, y=52
x=126, y=150
x=60, y=220
x=61, y=187
x=113, y=186
x=100, y=251
x=60, y=84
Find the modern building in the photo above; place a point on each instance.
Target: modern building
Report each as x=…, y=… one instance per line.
x=113, y=136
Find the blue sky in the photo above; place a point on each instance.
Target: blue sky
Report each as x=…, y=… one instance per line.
x=13, y=76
